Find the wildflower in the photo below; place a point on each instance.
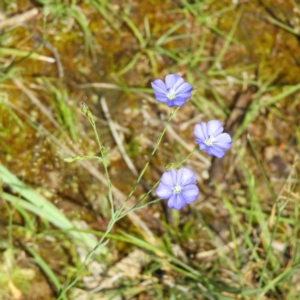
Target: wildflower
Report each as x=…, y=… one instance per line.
x=211, y=139
x=178, y=187
x=174, y=92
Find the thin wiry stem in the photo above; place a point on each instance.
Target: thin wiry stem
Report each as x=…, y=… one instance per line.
x=172, y=113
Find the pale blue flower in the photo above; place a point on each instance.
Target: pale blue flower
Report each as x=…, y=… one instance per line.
x=174, y=91
x=211, y=139
x=179, y=187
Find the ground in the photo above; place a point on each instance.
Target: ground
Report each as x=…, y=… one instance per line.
x=238, y=240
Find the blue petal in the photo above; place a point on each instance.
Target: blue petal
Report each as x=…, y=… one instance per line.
x=223, y=141
x=163, y=191
x=185, y=177
x=176, y=201
x=173, y=81
x=190, y=193
x=172, y=103
x=214, y=128
x=178, y=102
x=201, y=144
x=161, y=97
x=179, y=83
x=169, y=178
x=159, y=86
x=184, y=88
x=215, y=151
x=184, y=96
x=200, y=131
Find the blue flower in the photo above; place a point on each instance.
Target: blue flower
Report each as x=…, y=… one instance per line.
x=178, y=187
x=211, y=139
x=174, y=92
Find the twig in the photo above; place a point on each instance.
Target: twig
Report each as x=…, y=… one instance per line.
x=19, y=19
x=26, y=55
x=36, y=101
x=101, y=85
x=117, y=138
x=211, y=254
x=111, y=86
x=59, y=66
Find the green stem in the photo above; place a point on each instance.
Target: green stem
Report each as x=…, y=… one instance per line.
x=115, y=215
x=135, y=206
x=172, y=113
x=73, y=281
x=187, y=157
x=85, y=109
x=104, y=158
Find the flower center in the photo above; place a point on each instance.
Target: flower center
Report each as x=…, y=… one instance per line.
x=171, y=94
x=209, y=141
x=177, y=189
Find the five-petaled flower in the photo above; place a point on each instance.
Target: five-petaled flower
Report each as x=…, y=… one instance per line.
x=178, y=187
x=211, y=139
x=173, y=92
